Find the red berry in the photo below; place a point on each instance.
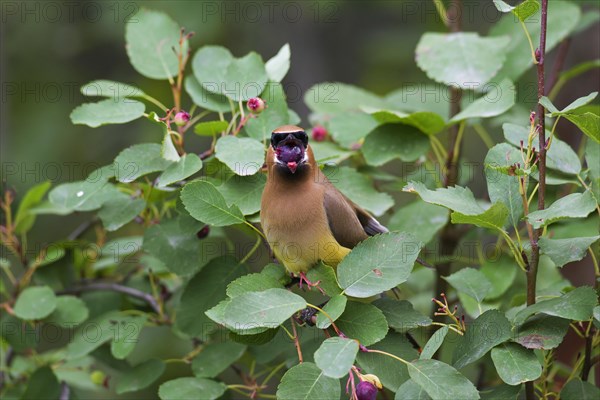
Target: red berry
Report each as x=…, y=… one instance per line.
x=256, y=105
x=366, y=391
x=181, y=118
x=319, y=133
x=202, y=233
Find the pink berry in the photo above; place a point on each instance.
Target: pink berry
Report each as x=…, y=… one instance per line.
x=181, y=118
x=319, y=133
x=256, y=105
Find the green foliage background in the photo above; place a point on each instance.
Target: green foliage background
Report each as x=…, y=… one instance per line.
x=185, y=315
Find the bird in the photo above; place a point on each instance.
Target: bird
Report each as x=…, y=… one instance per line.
x=304, y=217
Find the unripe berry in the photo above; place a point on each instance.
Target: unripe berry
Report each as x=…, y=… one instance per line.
x=319, y=133
x=366, y=391
x=256, y=105
x=181, y=118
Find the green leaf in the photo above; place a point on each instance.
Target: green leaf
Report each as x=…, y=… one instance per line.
x=252, y=283
x=268, y=308
x=422, y=220
x=564, y=251
x=325, y=274
x=390, y=141
x=427, y=122
x=576, y=389
x=210, y=101
x=141, y=376
x=210, y=128
x=378, y=263
x=244, y=156
x=334, y=308
x=410, y=390
x=487, y=331
x=589, y=123
x=576, y=305
x=191, y=389
x=242, y=334
x=455, y=198
x=126, y=337
x=93, y=333
x=179, y=250
x=278, y=66
x=218, y=71
x=336, y=356
x=276, y=114
x=516, y=364
x=109, y=111
x=204, y=202
x=77, y=195
x=35, y=302
x=575, y=205
x=363, y=322
x=592, y=159
x=244, y=192
x=472, y=282
x=215, y=358
x=502, y=392
x=461, y=59
x=560, y=156
x=523, y=11
x=434, y=343
x=333, y=97
x=118, y=212
x=150, y=37
x=358, y=188
x=305, y=382
x=42, y=384
x=112, y=89
x=390, y=371
x=187, y=166
x=203, y=292
x=401, y=315
x=575, y=105
x=501, y=273
x=441, y=381
x=139, y=160
x=24, y=219
x=349, y=128
x=493, y=218
x=499, y=98
x=416, y=97
x=502, y=187
x=563, y=16
x=69, y=312
x=329, y=152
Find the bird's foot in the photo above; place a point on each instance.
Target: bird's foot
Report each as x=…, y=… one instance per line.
x=310, y=284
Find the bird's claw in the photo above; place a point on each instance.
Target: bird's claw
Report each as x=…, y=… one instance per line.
x=310, y=284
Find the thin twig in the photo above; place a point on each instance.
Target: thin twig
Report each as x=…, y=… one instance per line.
x=115, y=287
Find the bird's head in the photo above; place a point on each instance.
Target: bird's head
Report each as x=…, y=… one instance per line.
x=290, y=151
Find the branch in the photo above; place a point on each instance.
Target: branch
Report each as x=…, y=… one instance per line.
x=115, y=287
x=535, y=250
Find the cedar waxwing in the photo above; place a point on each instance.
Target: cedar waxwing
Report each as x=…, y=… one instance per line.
x=304, y=217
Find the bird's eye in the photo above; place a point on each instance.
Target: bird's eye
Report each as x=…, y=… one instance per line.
x=302, y=136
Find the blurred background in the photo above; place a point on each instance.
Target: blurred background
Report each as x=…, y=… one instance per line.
x=48, y=49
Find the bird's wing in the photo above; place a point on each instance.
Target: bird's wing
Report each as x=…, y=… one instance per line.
x=349, y=223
